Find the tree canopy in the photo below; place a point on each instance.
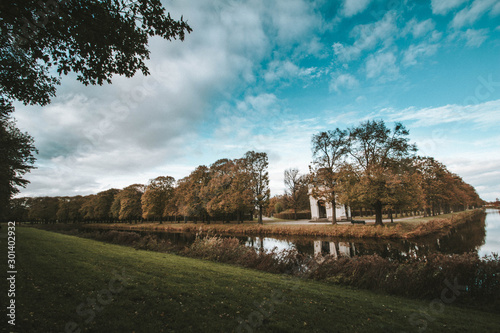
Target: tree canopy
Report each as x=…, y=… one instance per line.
x=158, y=197
x=227, y=190
x=378, y=155
x=329, y=150
x=256, y=166
x=371, y=165
x=94, y=39
x=16, y=159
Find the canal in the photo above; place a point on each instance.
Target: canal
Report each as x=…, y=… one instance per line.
x=481, y=236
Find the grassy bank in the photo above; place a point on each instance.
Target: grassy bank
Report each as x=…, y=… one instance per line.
x=404, y=229
x=65, y=281
x=413, y=276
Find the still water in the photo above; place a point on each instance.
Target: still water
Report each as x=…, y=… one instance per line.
x=481, y=237
x=491, y=242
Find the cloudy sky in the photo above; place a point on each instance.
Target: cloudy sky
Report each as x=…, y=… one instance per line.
x=267, y=75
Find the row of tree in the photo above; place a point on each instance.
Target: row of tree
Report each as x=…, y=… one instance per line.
x=372, y=166
x=227, y=190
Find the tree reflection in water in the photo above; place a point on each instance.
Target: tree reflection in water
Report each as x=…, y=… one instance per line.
x=469, y=237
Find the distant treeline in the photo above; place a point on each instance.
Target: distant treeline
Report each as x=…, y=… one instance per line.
x=228, y=190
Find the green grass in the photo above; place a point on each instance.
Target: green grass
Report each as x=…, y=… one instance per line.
x=58, y=274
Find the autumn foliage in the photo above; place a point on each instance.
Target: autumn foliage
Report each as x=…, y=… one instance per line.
x=373, y=167
x=228, y=190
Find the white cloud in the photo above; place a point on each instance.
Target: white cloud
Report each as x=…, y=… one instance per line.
x=280, y=71
x=480, y=170
x=347, y=81
x=472, y=13
x=471, y=37
x=353, y=7
x=442, y=7
x=483, y=115
x=419, y=29
x=474, y=38
x=293, y=21
x=246, y=124
x=367, y=37
x=414, y=52
x=436, y=36
x=382, y=66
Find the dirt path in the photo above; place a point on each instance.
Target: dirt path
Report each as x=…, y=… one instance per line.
x=269, y=220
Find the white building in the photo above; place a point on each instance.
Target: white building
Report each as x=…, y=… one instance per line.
x=322, y=210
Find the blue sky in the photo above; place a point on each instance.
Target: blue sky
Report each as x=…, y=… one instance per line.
x=266, y=76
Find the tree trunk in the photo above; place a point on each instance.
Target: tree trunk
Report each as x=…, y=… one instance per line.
x=334, y=212
x=378, y=213
x=390, y=213
x=260, y=215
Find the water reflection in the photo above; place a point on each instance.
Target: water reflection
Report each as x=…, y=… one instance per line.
x=481, y=236
x=467, y=238
x=492, y=239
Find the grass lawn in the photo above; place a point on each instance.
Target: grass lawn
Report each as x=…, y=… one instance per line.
x=65, y=282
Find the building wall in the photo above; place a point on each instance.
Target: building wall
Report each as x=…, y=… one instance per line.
x=341, y=211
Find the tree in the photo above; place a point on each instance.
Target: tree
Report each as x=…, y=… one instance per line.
x=217, y=193
x=329, y=149
x=295, y=190
x=16, y=159
x=102, y=204
x=441, y=188
x=19, y=209
x=43, y=209
x=276, y=205
x=87, y=209
x=95, y=39
x=241, y=191
x=69, y=209
x=256, y=167
x=156, y=199
x=405, y=192
x=127, y=203
x=188, y=193
x=376, y=153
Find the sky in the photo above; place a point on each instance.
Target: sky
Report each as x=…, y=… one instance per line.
x=266, y=76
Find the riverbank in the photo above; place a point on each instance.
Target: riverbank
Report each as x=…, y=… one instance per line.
x=407, y=229
x=69, y=283
x=410, y=275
